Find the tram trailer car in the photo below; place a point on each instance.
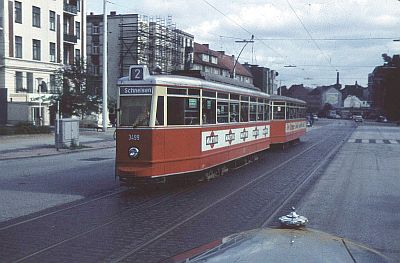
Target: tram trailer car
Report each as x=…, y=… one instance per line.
x=176, y=125
x=288, y=122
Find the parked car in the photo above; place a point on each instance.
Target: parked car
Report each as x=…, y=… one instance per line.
x=315, y=117
x=382, y=119
x=358, y=118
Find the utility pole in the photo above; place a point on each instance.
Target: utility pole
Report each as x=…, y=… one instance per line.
x=40, y=99
x=237, y=59
x=105, y=99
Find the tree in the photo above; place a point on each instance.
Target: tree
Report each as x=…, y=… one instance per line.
x=78, y=96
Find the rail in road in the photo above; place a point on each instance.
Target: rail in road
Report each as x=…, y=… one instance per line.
x=131, y=227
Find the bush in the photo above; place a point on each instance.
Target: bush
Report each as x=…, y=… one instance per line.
x=24, y=128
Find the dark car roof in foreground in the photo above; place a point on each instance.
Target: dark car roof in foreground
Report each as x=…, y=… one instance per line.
x=284, y=245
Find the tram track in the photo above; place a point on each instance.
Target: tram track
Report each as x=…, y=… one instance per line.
x=141, y=206
x=264, y=176
x=98, y=197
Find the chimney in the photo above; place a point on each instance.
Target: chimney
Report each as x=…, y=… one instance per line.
x=113, y=13
x=337, y=78
x=91, y=13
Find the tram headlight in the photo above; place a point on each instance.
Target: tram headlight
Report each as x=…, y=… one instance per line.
x=133, y=152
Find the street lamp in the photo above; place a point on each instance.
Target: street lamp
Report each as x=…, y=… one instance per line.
x=40, y=99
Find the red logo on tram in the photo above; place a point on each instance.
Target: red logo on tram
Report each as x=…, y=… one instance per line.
x=212, y=140
x=229, y=137
x=244, y=134
x=256, y=132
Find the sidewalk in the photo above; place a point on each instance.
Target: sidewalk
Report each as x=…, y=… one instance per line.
x=34, y=145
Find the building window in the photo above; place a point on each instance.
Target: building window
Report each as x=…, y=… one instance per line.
x=18, y=47
x=78, y=30
x=18, y=12
x=29, y=81
x=35, y=16
x=77, y=55
x=36, y=49
x=18, y=81
x=53, y=87
x=95, y=29
x=52, y=52
x=96, y=70
x=78, y=5
x=205, y=57
x=52, y=20
x=96, y=50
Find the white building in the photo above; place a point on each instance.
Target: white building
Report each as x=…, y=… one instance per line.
x=36, y=38
x=355, y=102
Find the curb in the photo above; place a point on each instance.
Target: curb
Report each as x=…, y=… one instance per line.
x=55, y=153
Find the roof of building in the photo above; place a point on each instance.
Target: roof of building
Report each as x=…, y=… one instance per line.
x=223, y=62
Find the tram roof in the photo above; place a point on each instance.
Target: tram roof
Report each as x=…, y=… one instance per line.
x=190, y=82
x=287, y=99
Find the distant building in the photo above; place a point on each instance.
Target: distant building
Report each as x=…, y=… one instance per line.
x=263, y=78
x=354, y=90
x=354, y=102
x=217, y=63
x=297, y=91
x=322, y=95
x=135, y=39
x=36, y=39
x=383, y=84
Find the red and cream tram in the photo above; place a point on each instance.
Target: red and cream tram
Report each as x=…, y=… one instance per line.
x=176, y=125
x=288, y=120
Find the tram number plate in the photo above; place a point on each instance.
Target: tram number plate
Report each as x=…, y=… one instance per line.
x=134, y=137
x=136, y=73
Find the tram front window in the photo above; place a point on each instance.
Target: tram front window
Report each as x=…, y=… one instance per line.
x=135, y=111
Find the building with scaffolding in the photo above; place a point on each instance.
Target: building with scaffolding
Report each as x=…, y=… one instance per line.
x=135, y=39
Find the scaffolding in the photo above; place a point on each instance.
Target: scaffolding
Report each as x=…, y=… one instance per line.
x=152, y=41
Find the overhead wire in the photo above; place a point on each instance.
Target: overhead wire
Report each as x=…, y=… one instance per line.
x=310, y=36
x=246, y=30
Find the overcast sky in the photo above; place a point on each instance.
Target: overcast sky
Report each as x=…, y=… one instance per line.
x=318, y=37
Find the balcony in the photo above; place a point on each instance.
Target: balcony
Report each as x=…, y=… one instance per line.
x=72, y=9
x=70, y=38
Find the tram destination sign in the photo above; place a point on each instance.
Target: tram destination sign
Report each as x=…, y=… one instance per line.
x=135, y=90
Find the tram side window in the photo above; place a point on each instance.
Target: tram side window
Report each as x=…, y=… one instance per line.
x=175, y=111
x=208, y=111
x=260, y=112
x=192, y=111
x=135, y=111
x=266, y=112
x=222, y=112
x=253, y=111
x=244, y=111
x=160, y=111
x=234, y=112
x=279, y=112
x=289, y=113
x=183, y=111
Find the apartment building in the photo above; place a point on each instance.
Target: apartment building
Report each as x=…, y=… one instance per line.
x=37, y=37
